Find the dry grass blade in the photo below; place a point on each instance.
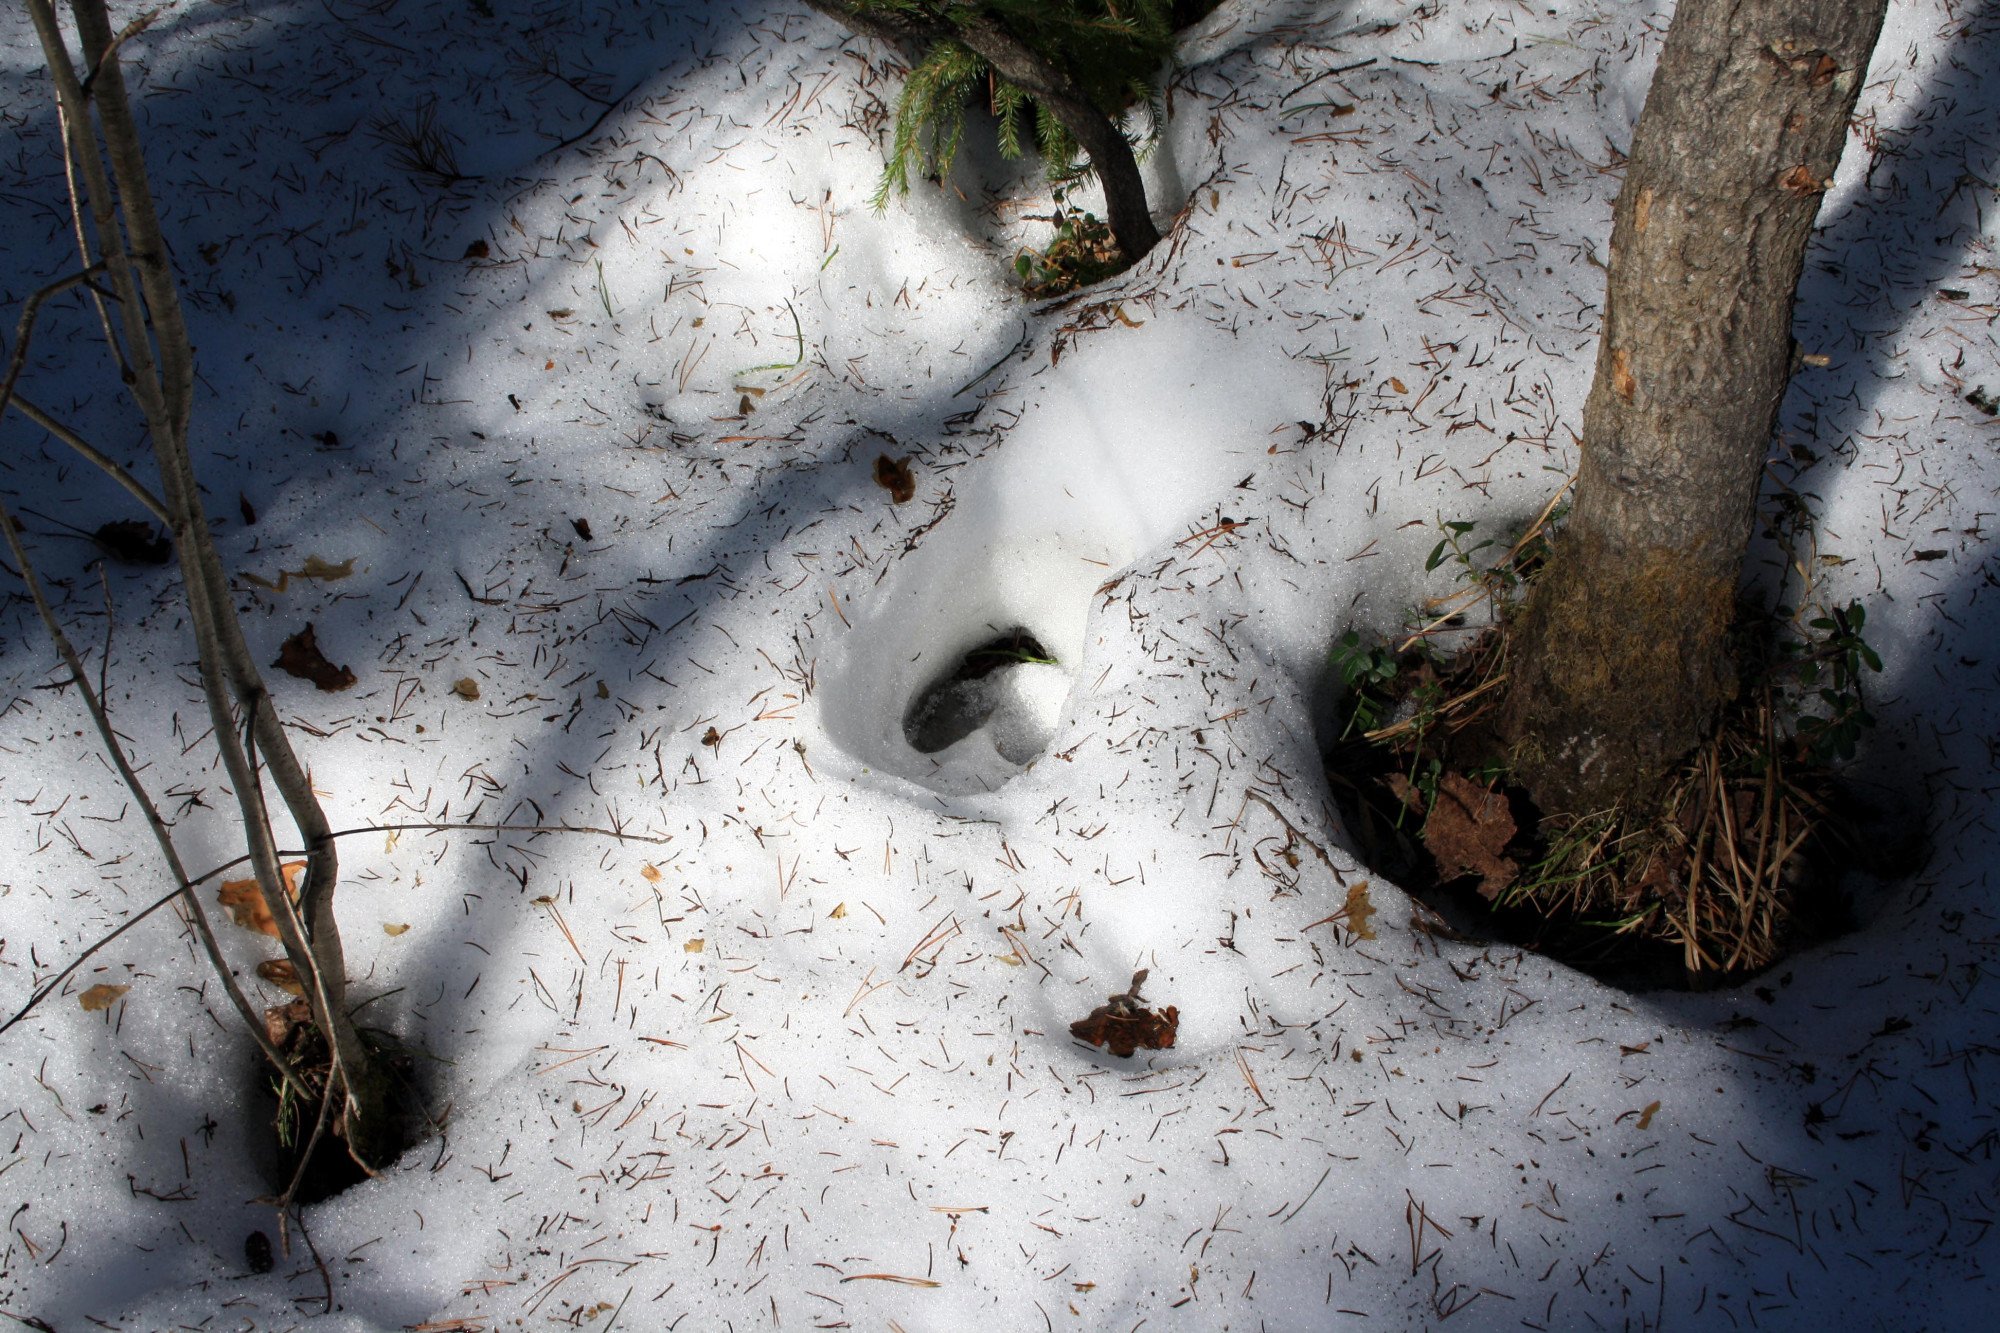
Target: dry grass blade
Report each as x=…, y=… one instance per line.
x=1714, y=875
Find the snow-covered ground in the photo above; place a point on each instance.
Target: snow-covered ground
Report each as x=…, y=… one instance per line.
x=597, y=424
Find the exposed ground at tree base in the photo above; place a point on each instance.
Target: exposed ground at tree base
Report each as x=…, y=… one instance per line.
x=547, y=355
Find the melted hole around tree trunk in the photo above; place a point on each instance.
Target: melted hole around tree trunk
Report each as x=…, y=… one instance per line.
x=993, y=685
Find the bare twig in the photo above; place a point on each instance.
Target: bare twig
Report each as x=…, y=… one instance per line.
x=94, y=704
x=1293, y=829
x=49, y=987
x=159, y=371
x=110, y=466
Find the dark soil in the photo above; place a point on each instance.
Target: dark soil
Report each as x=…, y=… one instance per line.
x=1866, y=839
x=330, y=1170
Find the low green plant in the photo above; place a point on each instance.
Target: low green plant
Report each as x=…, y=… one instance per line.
x=1500, y=577
x=1365, y=670
x=1712, y=879
x=1452, y=546
x=1114, y=49
x=1083, y=252
x=1829, y=666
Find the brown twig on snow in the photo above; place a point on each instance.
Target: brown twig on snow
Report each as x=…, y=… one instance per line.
x=1293, y=829
x=49, y=987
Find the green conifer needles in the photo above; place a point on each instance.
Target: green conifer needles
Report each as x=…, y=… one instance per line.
x=1113, y=51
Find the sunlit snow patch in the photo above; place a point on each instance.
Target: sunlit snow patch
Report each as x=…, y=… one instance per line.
x=1124, y=443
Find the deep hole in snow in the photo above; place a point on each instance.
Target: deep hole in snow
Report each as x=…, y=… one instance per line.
x=1009, y=684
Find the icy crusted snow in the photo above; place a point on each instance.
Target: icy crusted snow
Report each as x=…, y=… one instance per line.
x=807, y=1060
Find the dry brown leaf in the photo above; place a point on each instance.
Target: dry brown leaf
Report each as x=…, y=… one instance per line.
x=280, y=973
x=1800, y=181
x=1467, y=831
x=1359, y=910
x=1121, y=1025
x=694, y=946
x=1123, y=1035
x=134, y=542
x=1397, y=385
x=101, y=997
x=894, y=476
x=245, y=900
x=283, y=1021
x=465, y=687
x=839, y=911
x=1646, y=1116
x=650, y=873
x=395, y=928
x=317, y=569
x=300, y=656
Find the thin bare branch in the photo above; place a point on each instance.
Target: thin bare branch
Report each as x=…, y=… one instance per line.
x=110, y=466
x=95, y=707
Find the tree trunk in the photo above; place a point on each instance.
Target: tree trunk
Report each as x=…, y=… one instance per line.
x=1620, y=661
x=1125, y=209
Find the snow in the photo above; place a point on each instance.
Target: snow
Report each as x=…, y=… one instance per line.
x=802, y=1058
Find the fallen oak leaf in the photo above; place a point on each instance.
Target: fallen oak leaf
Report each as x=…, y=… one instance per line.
x=1355, y=913
x=246, y=904
x=101, y=997
x=1154, y=1030
x=280, y=973
x=894, y=476
x=1800, y=181
x=1358, y=910
x=300, y=656
x=1121, y=1025
x=1466, y=831
x=317, y=569
x=283, y=1022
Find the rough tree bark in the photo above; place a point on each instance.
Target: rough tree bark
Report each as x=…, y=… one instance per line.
x=1125, y=210
x=1620, y=660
